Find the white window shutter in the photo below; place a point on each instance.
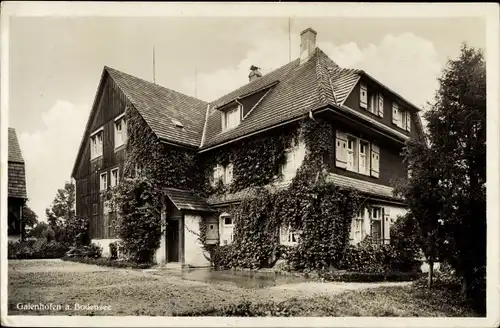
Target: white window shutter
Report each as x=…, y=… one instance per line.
x=363, y=96
x=375, y=161
x=408, y=121
x=229, y=173
x=386, y=225
x=380, y=105
x=394, y=113
x=340, y=149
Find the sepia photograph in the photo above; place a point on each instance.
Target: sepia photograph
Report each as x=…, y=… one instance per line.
x=199, y=164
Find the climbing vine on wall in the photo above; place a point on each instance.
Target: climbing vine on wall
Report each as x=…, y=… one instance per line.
x=321, y=211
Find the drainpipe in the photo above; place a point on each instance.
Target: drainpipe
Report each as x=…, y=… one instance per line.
x=311, y=115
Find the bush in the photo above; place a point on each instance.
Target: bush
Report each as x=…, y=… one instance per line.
x=108, y=262
x=113, y=250
x=91, y=251
x=370, y=277
x=36, y=249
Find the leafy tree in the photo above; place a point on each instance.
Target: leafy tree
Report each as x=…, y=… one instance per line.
x=30, y=219
x=61, y=215
x=447, y=193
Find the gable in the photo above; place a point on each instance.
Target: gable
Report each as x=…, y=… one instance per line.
x=14, y=150
x=109, y=102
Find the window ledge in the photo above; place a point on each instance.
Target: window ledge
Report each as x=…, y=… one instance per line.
x=120, y=148
x=96, y=158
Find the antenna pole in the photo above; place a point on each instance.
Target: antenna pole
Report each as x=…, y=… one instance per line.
x=195, y=82
x=154, y=80
x=289, y=40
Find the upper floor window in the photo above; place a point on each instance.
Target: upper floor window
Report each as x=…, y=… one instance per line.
x=401, y=117
x=103, y=183
x=231, y=118
x=120, y=128
x=294, y=158
x=115, y=177
x=96, y=140
x=356, y=155
x=371, y=101
x=223, y=174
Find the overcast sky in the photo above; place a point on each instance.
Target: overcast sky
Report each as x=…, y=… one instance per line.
x=55, y=66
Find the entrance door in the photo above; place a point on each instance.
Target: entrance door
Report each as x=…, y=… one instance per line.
x=173, y=241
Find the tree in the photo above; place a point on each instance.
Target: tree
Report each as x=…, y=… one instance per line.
x=62, y=212
x=29, y=219
x=447, y=194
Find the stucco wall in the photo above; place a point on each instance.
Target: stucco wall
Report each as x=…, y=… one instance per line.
x=194, y=254
x=104, y=244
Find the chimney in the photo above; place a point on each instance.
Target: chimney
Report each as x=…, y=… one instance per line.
x=307, y=44
x=254, y=73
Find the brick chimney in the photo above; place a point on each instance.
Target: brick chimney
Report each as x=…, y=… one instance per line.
x=254, y=73
x=307, y=44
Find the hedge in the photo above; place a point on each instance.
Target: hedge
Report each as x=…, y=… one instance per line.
x=36, y=249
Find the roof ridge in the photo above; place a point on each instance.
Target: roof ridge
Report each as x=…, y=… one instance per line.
x=111, y=69
x=322, y=77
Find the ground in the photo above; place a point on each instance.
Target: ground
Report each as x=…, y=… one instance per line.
x=165, y=292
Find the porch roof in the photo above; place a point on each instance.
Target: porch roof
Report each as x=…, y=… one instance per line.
x=185, y=200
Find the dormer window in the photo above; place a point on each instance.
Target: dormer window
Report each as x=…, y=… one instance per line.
x=231, y=118
x=401, y=117
x=96, y=143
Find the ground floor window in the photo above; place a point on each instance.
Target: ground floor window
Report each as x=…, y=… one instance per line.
x=288, y=236
x=376, y=224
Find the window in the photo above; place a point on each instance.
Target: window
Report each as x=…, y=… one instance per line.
x=352, y=152
x=376, y=224
x=357, y=234
x=103, y=185
x=373, y=104
x=115, y=177
x=137, y=170
x=288, y=236
x=223, y=174
x=364, y=157
x=228, y=220
x=120, y=131
x=356, y=155
x=294, y=158
x=94, y=209
x=363, y=96
x=401, y=117
x=96, y=144
x=228, y=174
x=231, y=118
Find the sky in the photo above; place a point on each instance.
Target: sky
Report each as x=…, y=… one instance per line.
x=55, y=64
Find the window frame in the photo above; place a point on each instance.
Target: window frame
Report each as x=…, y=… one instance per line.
x=354, y=151
x=367, y=155
x=229, y=121
x=117, y=170
x=101, y=175
x=290, y=234
x=121, y=136
x=96, y=143
x=380, y=220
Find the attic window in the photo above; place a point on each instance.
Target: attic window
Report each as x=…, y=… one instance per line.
x=231, y=118
x=177, y=124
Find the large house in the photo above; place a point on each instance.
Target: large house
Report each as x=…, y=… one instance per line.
x=371, y=124
x=16, y=188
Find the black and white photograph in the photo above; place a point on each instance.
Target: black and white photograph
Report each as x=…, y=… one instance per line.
x=253, y=164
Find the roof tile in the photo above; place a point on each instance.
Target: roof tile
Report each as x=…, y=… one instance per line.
x=186, y=200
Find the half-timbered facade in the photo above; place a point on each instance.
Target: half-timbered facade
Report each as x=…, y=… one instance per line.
x=369, y=121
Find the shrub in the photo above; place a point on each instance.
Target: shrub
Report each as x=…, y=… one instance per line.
x=113, y=250
x=90, y=251
x=369, y=276
x=36, y=249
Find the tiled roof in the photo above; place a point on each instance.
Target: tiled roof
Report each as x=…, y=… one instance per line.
x=185, y=200
x=16, y=179
x=361, y=185
x=160, y=106
x=317, y=82
x=15, y=154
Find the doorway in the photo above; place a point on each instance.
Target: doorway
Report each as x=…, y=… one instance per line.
x=173, y=239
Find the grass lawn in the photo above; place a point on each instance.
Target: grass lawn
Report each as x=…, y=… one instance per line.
x=137, y=292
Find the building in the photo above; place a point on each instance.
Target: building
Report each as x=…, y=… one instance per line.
x=16, y=188
x=371, y=124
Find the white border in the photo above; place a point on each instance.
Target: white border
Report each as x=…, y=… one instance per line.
x=422, y=10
